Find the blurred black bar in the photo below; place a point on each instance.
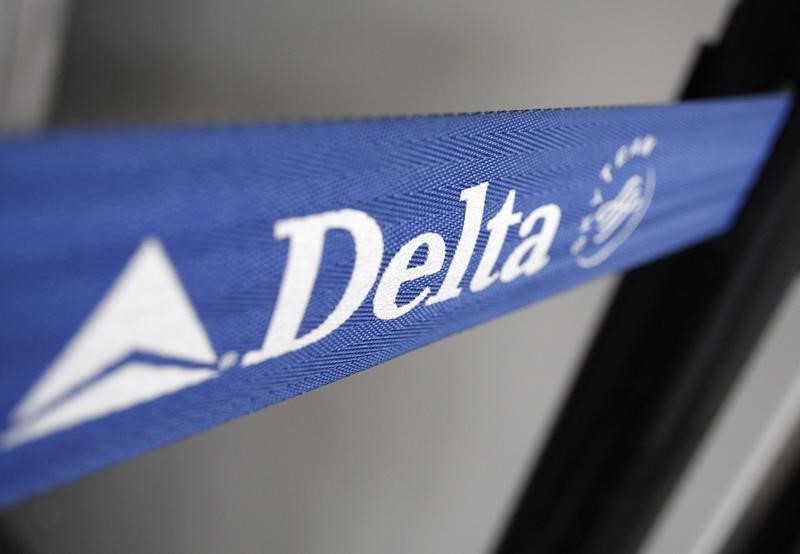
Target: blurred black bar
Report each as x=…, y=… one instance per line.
x=9, y=543
x=770, y=523
x=779, y=531
x=677, y=333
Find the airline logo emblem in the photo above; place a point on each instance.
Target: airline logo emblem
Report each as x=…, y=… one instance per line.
x=618, y=204
x=144, y=339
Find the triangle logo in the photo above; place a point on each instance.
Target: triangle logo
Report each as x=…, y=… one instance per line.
x=143, y=341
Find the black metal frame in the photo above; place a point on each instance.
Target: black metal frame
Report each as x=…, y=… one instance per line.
x=777, y=531
x=677, y=333
x=770, y=524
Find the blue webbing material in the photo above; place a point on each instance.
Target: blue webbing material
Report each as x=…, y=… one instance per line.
x=157, y=282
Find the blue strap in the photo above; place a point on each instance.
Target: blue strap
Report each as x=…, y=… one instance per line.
x=157, y=282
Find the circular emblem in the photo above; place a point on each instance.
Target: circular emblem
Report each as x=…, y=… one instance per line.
x=618, y=203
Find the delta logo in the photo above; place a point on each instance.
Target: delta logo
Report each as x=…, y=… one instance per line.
x=144, y=339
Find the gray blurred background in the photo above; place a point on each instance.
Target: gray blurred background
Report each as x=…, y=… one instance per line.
x=425, y=453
